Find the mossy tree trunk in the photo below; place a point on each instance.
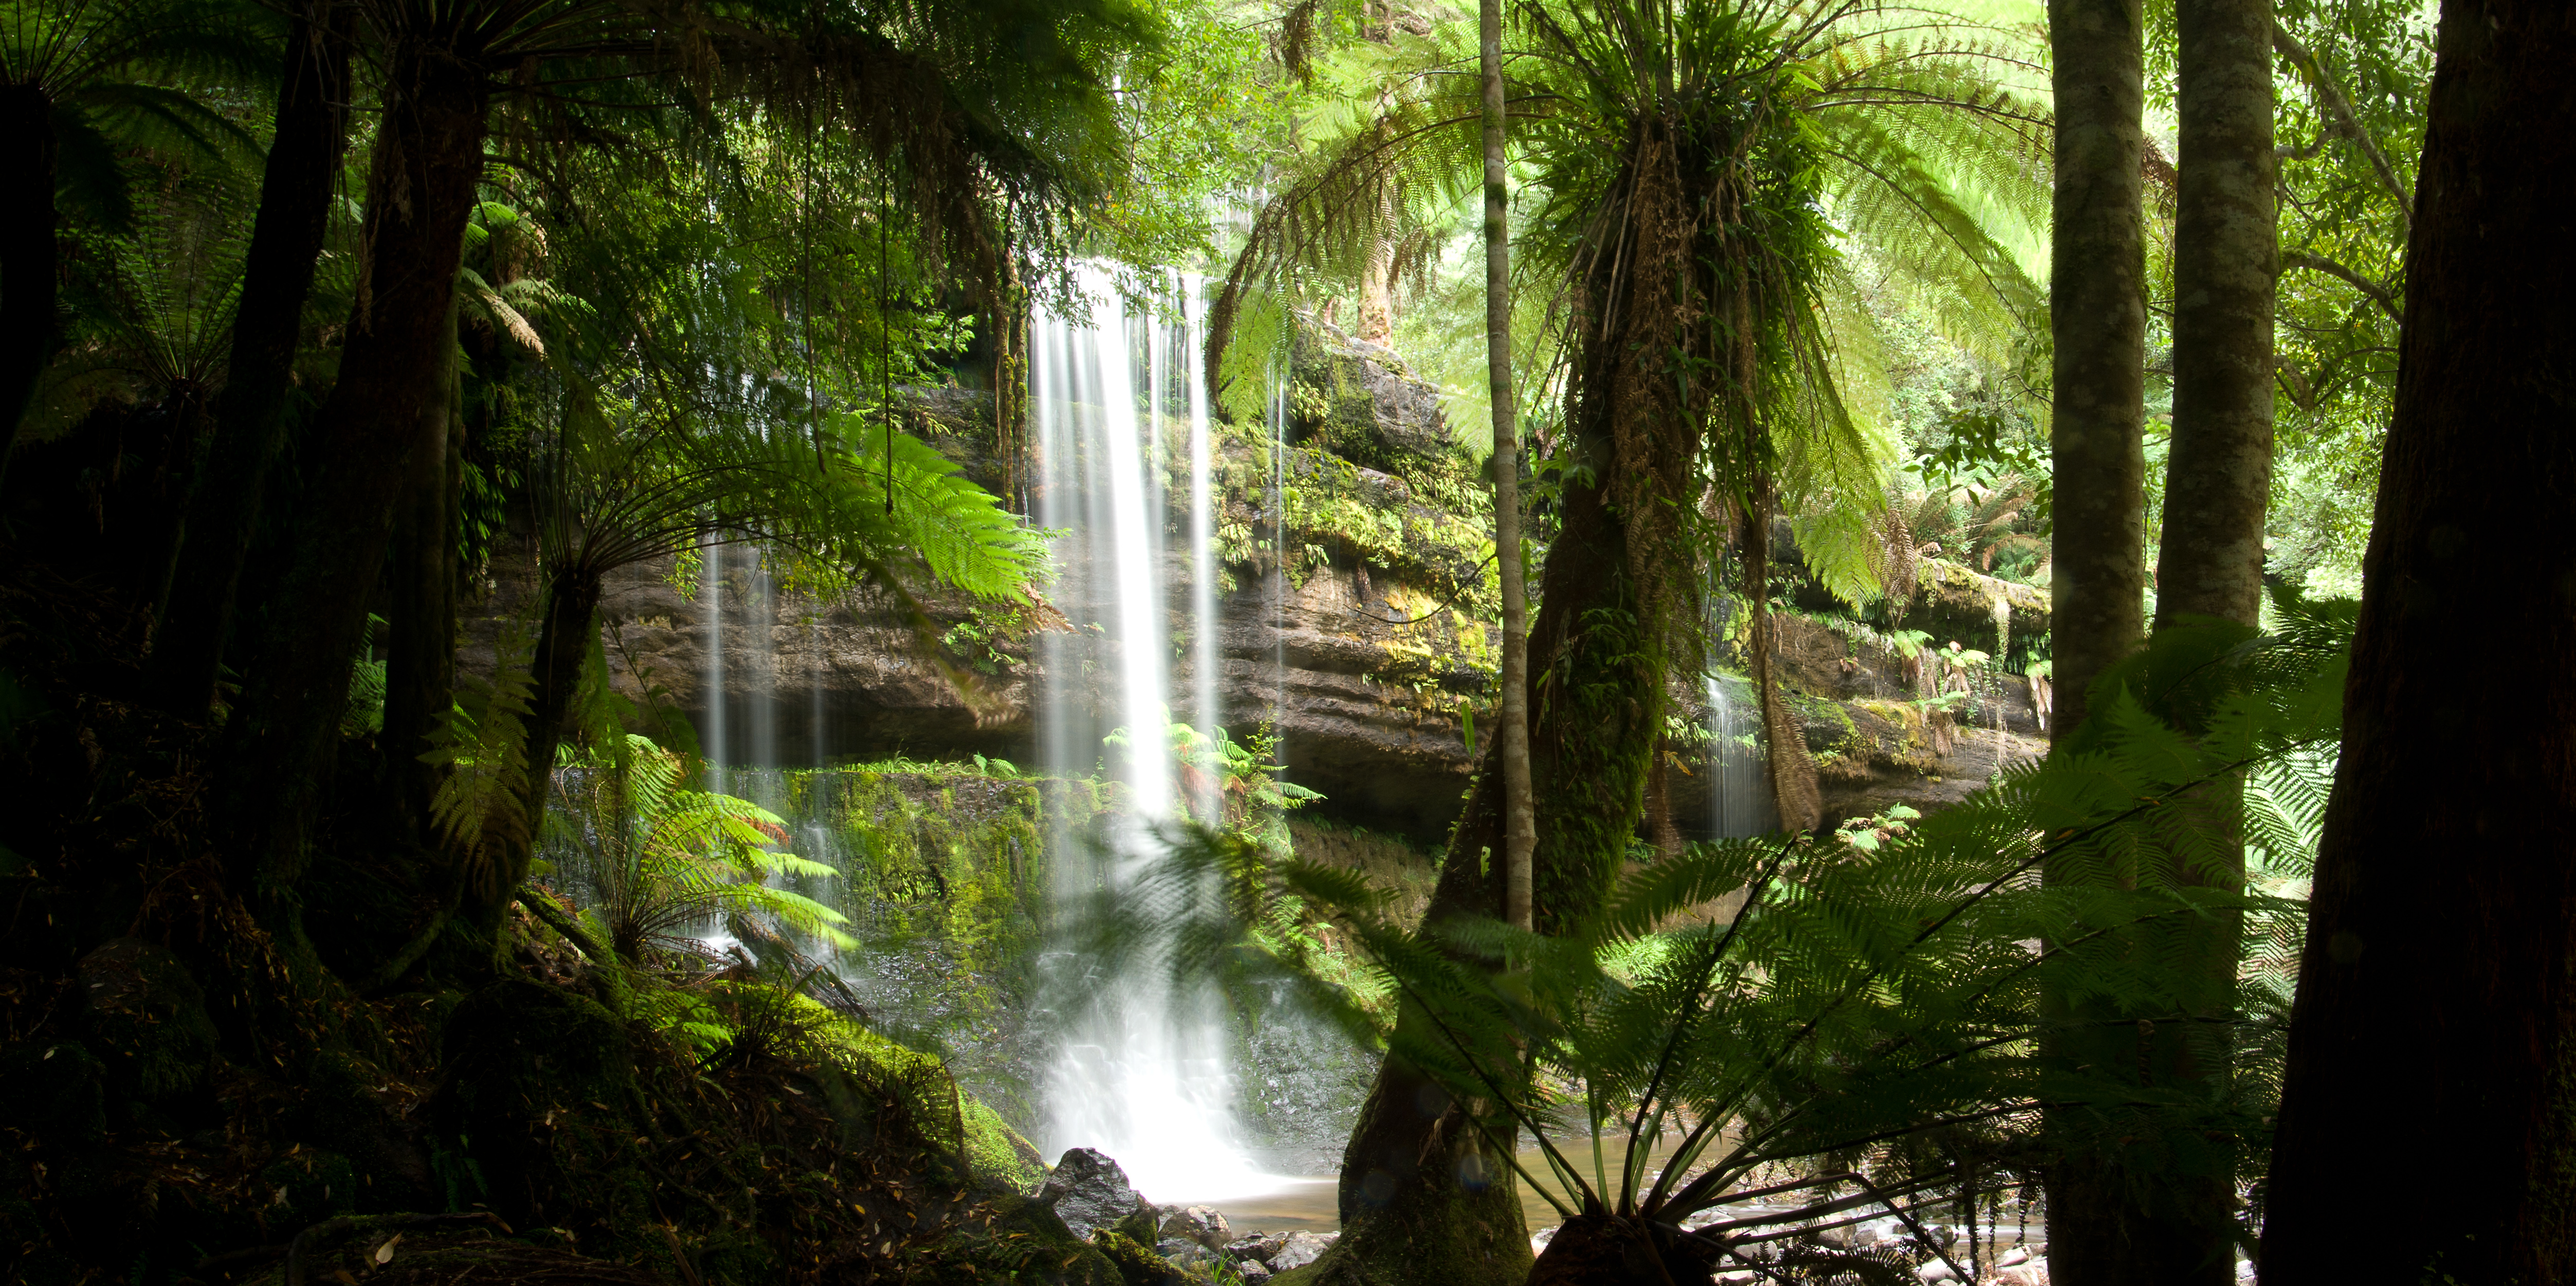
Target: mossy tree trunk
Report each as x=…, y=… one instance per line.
x=2435, y=1027
x=428, y=164
x=1424, y=1193
x=2097, y=317
x=2179, y=1224
x=295, y=196
x=420, y=664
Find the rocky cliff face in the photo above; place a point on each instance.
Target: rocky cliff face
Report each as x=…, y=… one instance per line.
x=1356, y=615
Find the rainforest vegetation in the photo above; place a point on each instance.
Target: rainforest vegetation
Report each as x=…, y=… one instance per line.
x=367, y=919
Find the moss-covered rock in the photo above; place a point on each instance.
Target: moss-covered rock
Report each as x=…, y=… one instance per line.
x=1137, y=1264
x=1026, y=1241
x=999, y=1157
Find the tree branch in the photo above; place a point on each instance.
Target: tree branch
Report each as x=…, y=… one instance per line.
x=2379, y=294
x=2332, y=97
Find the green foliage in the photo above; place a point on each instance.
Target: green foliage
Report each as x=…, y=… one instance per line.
x=483, y=744
x=655, y=863
x=1867, y=1025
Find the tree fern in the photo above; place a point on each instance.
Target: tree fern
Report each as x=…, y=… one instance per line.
x=1861, y=1035
x=656, y=864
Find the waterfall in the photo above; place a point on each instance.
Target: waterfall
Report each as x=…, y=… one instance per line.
x=1144, y=1071
x=711, y=561
x=1739, y=788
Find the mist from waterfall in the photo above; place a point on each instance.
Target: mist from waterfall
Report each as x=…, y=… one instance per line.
x=1145, y=1071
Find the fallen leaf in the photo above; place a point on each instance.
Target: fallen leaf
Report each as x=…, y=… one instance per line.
x=385, y=1252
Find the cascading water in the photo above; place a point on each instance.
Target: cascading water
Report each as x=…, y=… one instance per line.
x=1739, y=789
x=1144, y=1072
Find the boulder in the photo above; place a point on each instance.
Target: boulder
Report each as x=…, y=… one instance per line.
x=1258, y=1247
x=1300, y=1249
x=1088, y=1191
x=1199, y=1225
x=1183, y=1252
x=1253, y=1272
x=2031, y=1273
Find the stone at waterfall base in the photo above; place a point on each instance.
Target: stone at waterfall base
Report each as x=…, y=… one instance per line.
x=1202, y=1225
x=1088, y=1191
x=1300, y=1249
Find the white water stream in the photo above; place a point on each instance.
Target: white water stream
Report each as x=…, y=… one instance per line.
x=1145, y=1069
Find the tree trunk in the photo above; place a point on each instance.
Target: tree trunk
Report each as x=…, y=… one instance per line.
x=420, y=665
x=1790, y=767
x=1422, y=1200
x=429, y=161
x=570, y=630
x=27, y=255
x=2218, y=476
x=2097, y=319
x=250, y=423
x=2178, y=1225
x=1520, y=822
x=1619, y=1250
x=2435, y=1027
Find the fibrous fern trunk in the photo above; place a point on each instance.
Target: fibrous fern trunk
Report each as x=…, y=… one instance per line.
x=295, y=197
x=2437, y=992
x=1423, y=1197
x=420, y=662
x=27, y=286
x=564, y=642
x=428, y=163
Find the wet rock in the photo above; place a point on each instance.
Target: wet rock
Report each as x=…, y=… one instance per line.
x=2033, y=1272
x=1301, y=1248
x=1936, y=1271
x=1088, y=1191
x=1252, y=1271
x=1258, y=1247
x=1199, y=1225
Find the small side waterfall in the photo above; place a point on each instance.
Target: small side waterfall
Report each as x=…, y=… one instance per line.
x=1739, y=788
x=1144, y=1073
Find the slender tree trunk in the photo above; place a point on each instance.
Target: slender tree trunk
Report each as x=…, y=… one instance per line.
x=1422, y=1199
x=2179, y=1224
x=420, y=666
x=1520, y=820
x=250, y=422
x=570, y=631
x=2097, y=312
x=27, y=254
x=1791, y=768
x=2218, y=477
x=2097, y=320
x=429, y=161
x=2437, y=995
